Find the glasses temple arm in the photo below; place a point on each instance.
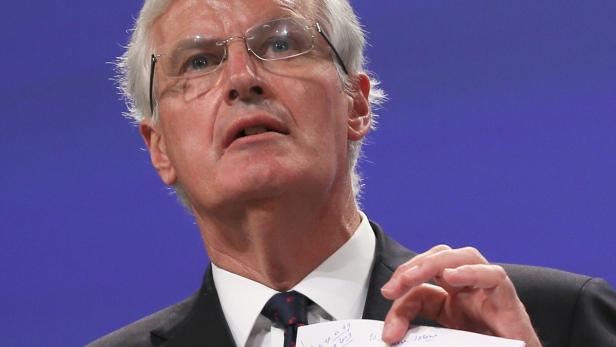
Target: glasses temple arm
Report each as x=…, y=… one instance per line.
x=333, y=48
x=152, y=64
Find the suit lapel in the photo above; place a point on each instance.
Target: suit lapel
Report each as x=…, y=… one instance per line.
x=376, y=305
x=388, y=255
x=203, y=325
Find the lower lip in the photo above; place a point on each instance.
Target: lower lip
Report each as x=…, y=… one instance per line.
x=254, y=139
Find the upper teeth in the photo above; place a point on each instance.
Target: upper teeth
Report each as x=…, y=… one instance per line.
x=255, y=130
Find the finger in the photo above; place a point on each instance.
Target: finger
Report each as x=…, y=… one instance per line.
x=476, y=276
x=412, y=263
x=498, y=299
x=428, y=268
x=425, y=299
x=418, y=258
x=484, y=276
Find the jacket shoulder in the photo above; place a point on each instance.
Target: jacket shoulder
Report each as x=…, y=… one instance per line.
x=566, y=309
x=142, y=332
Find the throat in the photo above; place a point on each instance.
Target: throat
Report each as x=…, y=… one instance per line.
x=278, y=241
x=279, y=256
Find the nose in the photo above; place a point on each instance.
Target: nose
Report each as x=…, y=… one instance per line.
x=243, y=82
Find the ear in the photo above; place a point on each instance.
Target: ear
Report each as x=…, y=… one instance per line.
x=360, y=117
x=155, y=141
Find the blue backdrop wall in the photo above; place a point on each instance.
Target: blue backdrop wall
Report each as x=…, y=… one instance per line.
x=499, y=133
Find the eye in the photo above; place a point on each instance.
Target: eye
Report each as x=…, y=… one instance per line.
x=277, y=47
x=197, y=63
x=280, y=45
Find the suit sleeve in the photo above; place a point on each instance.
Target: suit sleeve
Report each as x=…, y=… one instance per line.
x=594, y=320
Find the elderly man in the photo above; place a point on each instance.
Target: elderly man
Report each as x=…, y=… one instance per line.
x=254, y=111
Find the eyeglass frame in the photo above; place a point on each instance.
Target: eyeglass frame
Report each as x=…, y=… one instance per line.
x=154, y=57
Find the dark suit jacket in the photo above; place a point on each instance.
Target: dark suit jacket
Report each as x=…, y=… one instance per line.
x=566, y=309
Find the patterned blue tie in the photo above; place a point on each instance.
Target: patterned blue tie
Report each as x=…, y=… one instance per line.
x=287, y=310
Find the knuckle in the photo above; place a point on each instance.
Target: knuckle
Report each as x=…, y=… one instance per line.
x=402, y=269
x=430, y=263
x=441, y=247
x=471, y=250
x=474, y=252
x=500, y=272
x=403, y=266
x=397, y=275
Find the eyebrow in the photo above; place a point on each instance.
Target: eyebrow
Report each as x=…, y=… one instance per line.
x=196, y=41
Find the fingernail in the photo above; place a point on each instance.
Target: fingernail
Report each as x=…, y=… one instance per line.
x=388, y=287
x=388, y=331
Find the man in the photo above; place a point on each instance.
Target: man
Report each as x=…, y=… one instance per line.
x=254, y=111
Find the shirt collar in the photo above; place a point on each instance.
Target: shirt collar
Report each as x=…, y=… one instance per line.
x=339, y=285
x=242, y=300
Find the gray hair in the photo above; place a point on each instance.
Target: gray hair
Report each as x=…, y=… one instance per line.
x=336, y=16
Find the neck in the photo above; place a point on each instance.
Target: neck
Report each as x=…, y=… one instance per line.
x=278, y=242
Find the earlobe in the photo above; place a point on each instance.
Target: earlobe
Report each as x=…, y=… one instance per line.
x=158, y=152
x=361, y=117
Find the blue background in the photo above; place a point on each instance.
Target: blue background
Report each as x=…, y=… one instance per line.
x=499, y=134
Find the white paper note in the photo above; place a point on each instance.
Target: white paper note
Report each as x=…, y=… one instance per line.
x=367, y=333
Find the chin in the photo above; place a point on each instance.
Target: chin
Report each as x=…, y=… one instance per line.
x=273, y=176
x=258, y=181
x=264, y=178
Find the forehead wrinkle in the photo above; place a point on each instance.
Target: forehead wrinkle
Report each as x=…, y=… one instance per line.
x=182, y=18
x=302, y=9
x=217, y=18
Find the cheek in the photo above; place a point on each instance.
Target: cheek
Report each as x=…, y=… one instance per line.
x=188, y=134
x=320, y=113
x=316, y=97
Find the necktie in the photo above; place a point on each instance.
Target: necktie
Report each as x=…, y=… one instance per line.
x=288, y=310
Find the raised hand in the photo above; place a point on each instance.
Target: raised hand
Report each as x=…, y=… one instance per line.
x=466, y=292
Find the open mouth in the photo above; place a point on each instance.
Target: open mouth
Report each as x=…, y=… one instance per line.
x=256, y=130
x=246, y=129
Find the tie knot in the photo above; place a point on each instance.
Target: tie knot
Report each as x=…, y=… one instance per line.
x=287, y=309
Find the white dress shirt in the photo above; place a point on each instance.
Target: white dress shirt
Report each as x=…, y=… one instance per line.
x=338, y=288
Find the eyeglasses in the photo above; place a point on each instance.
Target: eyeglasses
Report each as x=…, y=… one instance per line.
x=274, y=40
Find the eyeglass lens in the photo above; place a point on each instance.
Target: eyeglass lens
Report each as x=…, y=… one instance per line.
x=275, y=40
x=199, y=56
